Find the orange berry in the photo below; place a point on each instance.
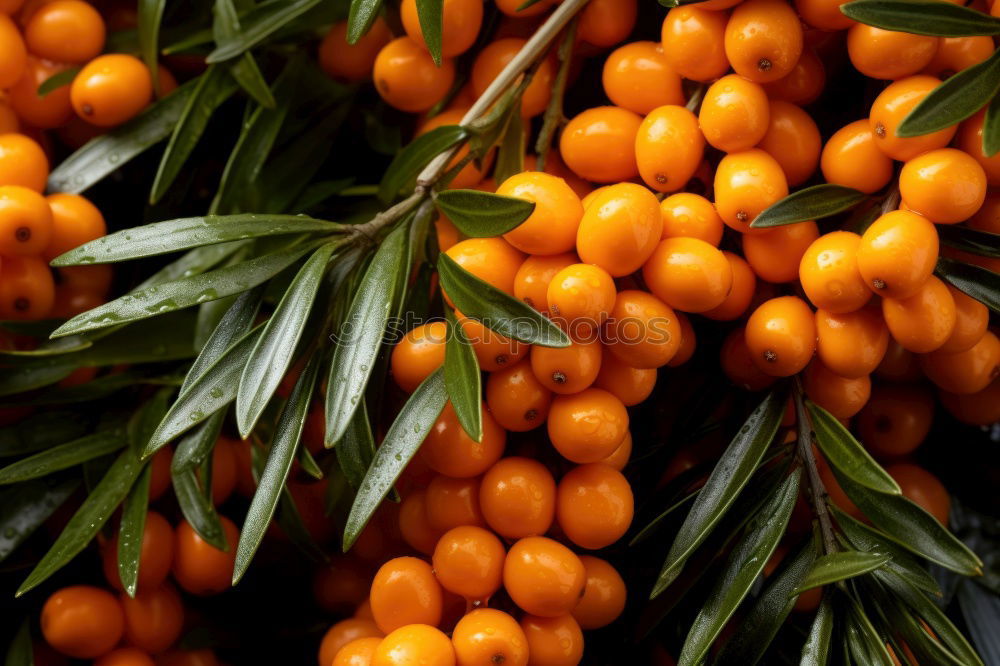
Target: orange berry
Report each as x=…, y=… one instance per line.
x=620, y=229
x=531, y=282
x=543, y=577
x=415, y=645
x=83, y=622
x=740, y=294
x=587, y=426
x=638, y=77
x=341, y=585
x=567, y=369
x=75, y=221
x=945, y=185
x=413, y=523
x=127, y=656
x=693, y=42
x=852, y=158
x=485, y=637
x=154, y=619
x=923, y=488
x=644, y=331
x=418, y=354
x=551, y=227
x=580, y=298
x=461, y=20
x=8, y=118
x=970, y=140
x=621, y=455
x=25, y=221
x=188, y=658
x=518, y=498
x=628, y=384
x=851, y=344
x=407, y=78
x=745, y=184
x=775, y=254
x=964, y=372
x=603, y=597
x=688, y=274
x=156, y=555
x=52, y=110
x=159, y=480
x=517, y=400
x=895, y=103
x=980, y=409
x=13, y=53
x=352, y=62
x=887, y=54
x=470, y=175
x=606, y=22
x=199, y=567
x=512, y=8
x=404, y=591
x=823, y=14
x=495, y=56
x=468, y=561
x=841, y=396
x=669, y=148
x=924, y=321
x=445, y=230
x=450, y=451
x=553, y=641
x=738, y=365
x=65, y=31
x=763, y=39
x=688, y=342
x=897, y=254
x=493, y=351
x=734, y=114
x=957, y=53
x=829, y=273
x=691, y=216
x=781, y=336
x=599, y=144
x=359, y=652
x=111, y=89
x=452, y=503
x=492, y=260
x=594, y=505
x=793, y=140
x=971, y=320
x=22, y=161
x=27, y=291
x=804, y=84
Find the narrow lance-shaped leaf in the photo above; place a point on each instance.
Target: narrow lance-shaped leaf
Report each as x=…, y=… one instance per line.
x=21, y=650
x=724, y=484
x=981, y=612
x=196, y=507
x=908, y=627
x=810, y=203
x=244, y=70
x=235, y=323
x=658, y=522
x=864, y=642
x=841, y=566
x=405, y=167
x=41, y=431
x=148, y=26
x=463, y=380
x=63, y=456
x=481, y=214
x=510, y=154
x=58, y=80
x=816, y=651
x=26, y=506
x=991, y=129
x=360, y=18
x=356, y=448
x=258, y=24
x=846, y=453
x=922, y=17
x=431, y=15
x=272, y=355
x=131, y=532
x=980, y=283
x=401, y=442
x=983, y=243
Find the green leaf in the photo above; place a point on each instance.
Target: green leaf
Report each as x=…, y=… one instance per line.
x=21, y=650
x=954, y=100
x=978, y=242
x=195, y=505
x=58, y=80
x=724, y=484
x=922, y=17
x=308, y=463
x=740, y=571
x=846, y=453
x=287, y=433
x=980, y=283
x=481, y=214
x=657, y=522
x=841, y=566
x=356, y=448
x=213, y=88
x=194, y=262
x=527, y=3
x=361, y=17
x=912, y=527
x=150, y=15
x=226, y=27
x=402, y=172
x=63, y=456
x=510, y=156
x=183, y=293
x=401, y=442
x=272, y=356
x=463, y=380
x=431, y=15
x=41, y=431
x=991, y=129
x=130, y=533
x=864, y=642
x=109, y=152
x=497, y=310
x=809, y=203
x=360, y=336
x=235, y=323
x=26, y=506
x=816, y=651
x=257, y=25
x=290, y=521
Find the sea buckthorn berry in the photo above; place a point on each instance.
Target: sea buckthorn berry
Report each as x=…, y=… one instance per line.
x=25, y=221
x=637, y=77
x=452, y=503
x=13, y=53
x=487, y=637
x=567, y=369
x=628, y=384
x=493, y=351
x=111, y=89
x=895, y=103
x=923, y=321
x=413, y=523
x=964, y=372
x=551, y=227
x=468, y=561
x=352, y=62
x=531, y=283
x=829, y=273
x=841, y=396
x=27, y=291
x=745, y=184
x=688, y=342
x=359, y=652
x=606, y=22
x=415, y=645
x=781, y=336
x=126, y=656
x=580, y=298
x=460, y=24
x=404, y=591
x=688, y=274
x=407, y=78
x=553, y=641
x=851, y=344
x=987, y=218
x=980, y=409
x=418, y=354
x=543, y=577
x=775, y=254
x=620, y=458
x=620, y=229
x=23, y=162
x=852, y=158
x=65, y=31
x=691, y=216
x=763, y=39
x=970, y=140
x=199, y=567
x=492, y=260
x=603, y=597
x=804, y=84
x=518, y=498
x=740, y=294
x=887, y=54
x=823, y=14
x=923, y=488
x=734, y=114
x=449, y=450
x=471, y=174
x=693, y=42
x=517, y=400
x=793, y=140
x=971, y=320
x=594, y=505
x=75, y=221
x=599, y=144
x=497, y=55
x=587, y=426
x=49, y=111
x=8, y=118
x=154, y=619
x=739, y=367
x=897, y=254
x=341, y=585
x=445, y=231
x=957, y=53
x=669, y=147
x=945, y=185
x=156, y=555
x=644, y=332
x=83, y=622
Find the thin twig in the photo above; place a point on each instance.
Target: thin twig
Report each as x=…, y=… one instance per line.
x=554, y=111
x=816, y=487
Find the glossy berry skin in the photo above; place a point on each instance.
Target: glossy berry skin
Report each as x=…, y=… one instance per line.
x=924, y=321
x=637, y=77
x=49, y=111
x=955, y=54
x=630, y=385
x=492, y=260
x=352, y=62
x=461, y=20
x=980, y=409
x=828, y=272
x=891, y=106
x=25, y=221
x=604, y=23
x=111, y=89
x=923, y=488
x=82, y=622
x=551, y=227
x=691, y=216
x=27, y=291
x=945, y=185
x=418, y=354
x=531, y=283
x=781, y=336
x=599, y=144
x=620, y=229
x=407, y=78
x=127, y=656
x=970, y=140
x=344, y=633
x=415, y=645
x=745, y=184
x=621, y=456
x=971, y=320
x=793, y=140
x=580, y=298
x=644, y=331
x=734, y=114
x=688, y=274
x=493, y=351
x=359, y=652
x=13, y=51
x=594, y=505
x=693, y=42
x=804, y=84
x=23, y=162
x=517, y=400
x=964, y=372
x=468, y=561
x=69, y=31
x=199, y=567
x=75, y=221
x=413, y=524
x=155, y=557
x=587, y=426
x=449, y=450
x=495, y=56
x=603, y=597
x=553, y=641
x=154, y=618
x=567, y=370
x=851, y=158
x=776, y=253
x=897, y=254
x=823, y=14
x=763, y=39
x=851, y=344
x=669, y=147
x=896, y=419
x=740, y=294
x=518, y=498
x=486, y=636
x=405, y=591
x=887, y=54
x=841, y=396
x=739, y=366
x=543, y=577
x=452, y=503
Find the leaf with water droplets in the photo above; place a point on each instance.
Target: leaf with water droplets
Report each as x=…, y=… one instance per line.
x=131, y=531
x=26, y=506
x=235, y=323
x=196, y=506
x=846, y=454
x=259, y=23
x=243, y=69
x=63, y=456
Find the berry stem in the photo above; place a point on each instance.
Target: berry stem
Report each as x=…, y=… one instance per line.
x=554, y=116
x=817, y=490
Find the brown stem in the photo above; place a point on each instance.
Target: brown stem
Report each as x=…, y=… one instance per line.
x=816, y=488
